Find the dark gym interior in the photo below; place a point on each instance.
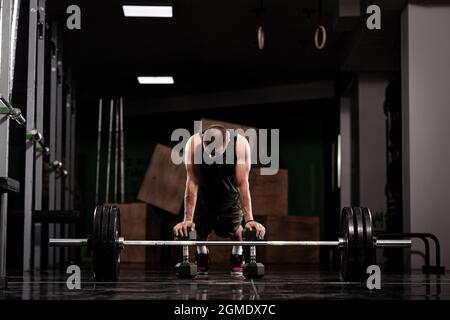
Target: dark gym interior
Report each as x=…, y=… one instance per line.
x=357, y=91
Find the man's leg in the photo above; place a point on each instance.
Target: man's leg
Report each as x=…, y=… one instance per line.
x=237, y=236
x=202, y=257
x=202, y=249
x=237, y=257
x=230, y=224
x=204, y=226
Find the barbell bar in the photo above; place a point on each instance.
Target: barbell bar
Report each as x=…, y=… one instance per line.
x=403, y=243
x=356, y=245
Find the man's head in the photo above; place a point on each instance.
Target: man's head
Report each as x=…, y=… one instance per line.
x=215, y=139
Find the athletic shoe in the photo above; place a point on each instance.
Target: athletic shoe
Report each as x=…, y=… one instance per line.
x=202, y=263
x=237, y=263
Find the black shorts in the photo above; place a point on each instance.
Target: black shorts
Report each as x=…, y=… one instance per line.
x=224, y=223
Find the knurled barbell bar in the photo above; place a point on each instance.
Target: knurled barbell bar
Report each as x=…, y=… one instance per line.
x=356, y=243
x=121, y=243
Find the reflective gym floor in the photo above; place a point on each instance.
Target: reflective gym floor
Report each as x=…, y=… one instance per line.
x=279, y=283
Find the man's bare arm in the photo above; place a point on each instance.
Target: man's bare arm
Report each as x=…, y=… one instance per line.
x=243, y=167
x=242, y=175
x=190, y=194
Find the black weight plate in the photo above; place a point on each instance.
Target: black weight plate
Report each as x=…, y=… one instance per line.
x=96, y=242
x=104, y=242
x=105, y=226
x=369, y=256
x=344, y=263
x=108, y=261
x=360, y=243
x=347, y=251
x=112, y=257
x=97, y=220
x=99, y=252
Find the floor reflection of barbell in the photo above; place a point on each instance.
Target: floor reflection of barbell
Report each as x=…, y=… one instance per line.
x=356, y=245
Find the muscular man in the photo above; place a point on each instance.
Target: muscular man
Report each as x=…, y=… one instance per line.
x=217, y=195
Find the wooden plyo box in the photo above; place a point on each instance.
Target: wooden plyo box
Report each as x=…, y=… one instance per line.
x=289, y=228
x=164, y=182
x=269, y=193
x=139, y=222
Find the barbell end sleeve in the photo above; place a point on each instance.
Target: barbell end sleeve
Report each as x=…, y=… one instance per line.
x=53, y=242
x=389, y=243
x=21, y=120
x=35, y=135
x=56, y=165
x=17, y=116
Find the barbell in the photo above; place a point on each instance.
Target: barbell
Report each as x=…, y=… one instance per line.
x=356, y=243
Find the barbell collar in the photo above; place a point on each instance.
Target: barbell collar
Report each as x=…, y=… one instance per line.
x=120, y=243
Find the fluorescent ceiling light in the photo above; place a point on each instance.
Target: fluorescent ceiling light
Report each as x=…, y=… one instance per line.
x=148, y=11
x=155, y=80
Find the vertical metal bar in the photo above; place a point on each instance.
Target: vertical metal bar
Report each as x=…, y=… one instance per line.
x=59, y=131
x=4, y=129
x=14, y=27
x=71, y=168
x=38, y=181
x=108, y=165
x=122, y=156
x=30, y=125
x=52, y=132
x=116, y=156
x=339, y=160
x=59, y=145
x=99, y=148
x=72, y=153
x=67, y=148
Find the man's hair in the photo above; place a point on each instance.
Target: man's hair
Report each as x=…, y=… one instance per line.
x=217, y=127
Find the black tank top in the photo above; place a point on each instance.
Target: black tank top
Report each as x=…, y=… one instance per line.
x=217, y=185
